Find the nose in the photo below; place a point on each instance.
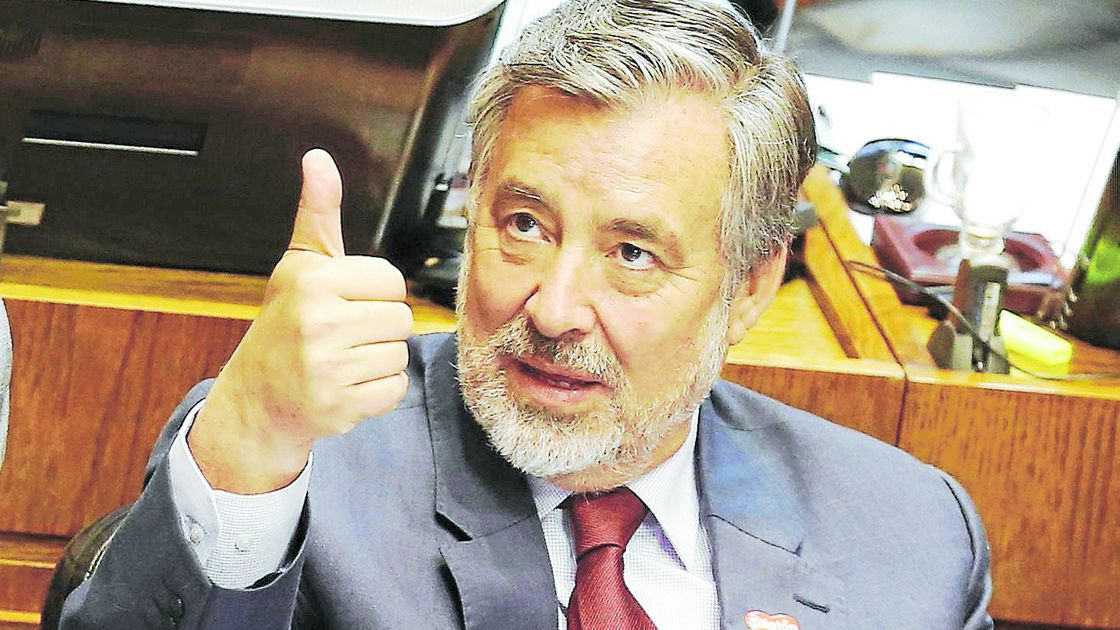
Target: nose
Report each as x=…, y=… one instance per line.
x=561, y=305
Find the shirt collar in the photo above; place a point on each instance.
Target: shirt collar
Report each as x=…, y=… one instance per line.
x=669, y=491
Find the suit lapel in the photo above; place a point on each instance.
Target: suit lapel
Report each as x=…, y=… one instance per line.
x=752, y=511
x=500, y=565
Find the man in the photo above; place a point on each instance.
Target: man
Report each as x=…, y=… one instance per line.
x=565, y=461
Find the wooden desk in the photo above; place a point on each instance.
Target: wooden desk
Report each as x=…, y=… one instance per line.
x=103, y=353
x=1040, y=458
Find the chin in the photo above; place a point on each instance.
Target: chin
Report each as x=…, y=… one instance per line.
x=540, y=443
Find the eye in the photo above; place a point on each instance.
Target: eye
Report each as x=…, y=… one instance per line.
x=634, y=257
x=525, y=226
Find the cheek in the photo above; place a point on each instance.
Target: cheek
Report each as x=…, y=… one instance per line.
x=650, y=340
x=496, y=292
x=634, y=329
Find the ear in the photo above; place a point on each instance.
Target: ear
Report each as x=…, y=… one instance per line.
x=755, y=294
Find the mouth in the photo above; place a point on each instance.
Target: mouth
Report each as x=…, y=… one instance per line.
x=551, y=385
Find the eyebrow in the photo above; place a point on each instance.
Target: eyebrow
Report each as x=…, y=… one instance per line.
x=521, y=190
x=654, y=233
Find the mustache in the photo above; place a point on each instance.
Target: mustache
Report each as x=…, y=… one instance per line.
x=519, y=339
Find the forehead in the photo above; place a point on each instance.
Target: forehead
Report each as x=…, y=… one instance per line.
x=666, y=156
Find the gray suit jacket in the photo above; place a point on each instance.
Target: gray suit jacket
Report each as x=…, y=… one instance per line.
x=413, y=522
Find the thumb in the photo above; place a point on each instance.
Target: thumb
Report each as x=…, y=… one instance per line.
x=318, y=225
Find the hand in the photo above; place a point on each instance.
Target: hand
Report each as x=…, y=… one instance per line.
x=327, y=350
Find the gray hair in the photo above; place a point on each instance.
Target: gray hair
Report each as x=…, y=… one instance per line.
x=621, y=53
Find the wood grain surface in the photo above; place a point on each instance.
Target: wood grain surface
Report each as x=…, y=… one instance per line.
x=26, y=566
x=840, y=300
x=870, y=401
x=1044, y=470
x=23, y=589
x=134, y=288
x=878, y=295
x=91, y=388
x=817, y=348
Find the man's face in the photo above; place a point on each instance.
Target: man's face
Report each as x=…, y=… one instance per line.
x=591, y=320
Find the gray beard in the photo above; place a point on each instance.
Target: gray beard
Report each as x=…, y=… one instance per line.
x=619, y=437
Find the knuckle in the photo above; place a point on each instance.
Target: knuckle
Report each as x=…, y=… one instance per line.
x=321, y=365
x=315, y=321
x=400, y=355
x=393, y=276
x=307, y=359
x=391, y=390
x=400, y=319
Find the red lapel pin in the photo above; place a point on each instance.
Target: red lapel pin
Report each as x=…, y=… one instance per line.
x=758, y=620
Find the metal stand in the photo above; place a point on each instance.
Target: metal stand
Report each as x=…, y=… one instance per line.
x=978, y=295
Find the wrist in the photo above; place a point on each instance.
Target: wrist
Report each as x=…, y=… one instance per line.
x=238, y=447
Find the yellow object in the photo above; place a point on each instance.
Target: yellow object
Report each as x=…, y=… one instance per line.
x=1033, y=341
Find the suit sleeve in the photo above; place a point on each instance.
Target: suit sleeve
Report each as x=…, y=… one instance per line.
x=978, y=589
x=149, y=577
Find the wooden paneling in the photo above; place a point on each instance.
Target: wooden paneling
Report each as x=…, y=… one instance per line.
x=869, y=402
x=878, y=295
x=840, y=301
x=794, y=330
x=91, y=388
x=26, y=566
x=23, y=588
x=1043, y=470
x=133, y=288
x=817, y=348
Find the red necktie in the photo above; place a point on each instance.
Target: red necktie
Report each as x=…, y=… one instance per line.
x=603, y=525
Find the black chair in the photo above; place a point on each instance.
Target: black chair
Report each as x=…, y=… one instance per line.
x=79, y=560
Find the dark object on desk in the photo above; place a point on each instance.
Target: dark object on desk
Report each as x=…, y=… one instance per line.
x=886, y=177
x=171, y=137
x=910, y=249
x=1093, y=300
x=883, y=177
x=974, y=344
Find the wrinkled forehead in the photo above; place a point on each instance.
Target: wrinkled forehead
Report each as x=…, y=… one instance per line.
x=670, y=151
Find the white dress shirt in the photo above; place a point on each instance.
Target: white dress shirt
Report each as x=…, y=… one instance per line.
x=239, y=539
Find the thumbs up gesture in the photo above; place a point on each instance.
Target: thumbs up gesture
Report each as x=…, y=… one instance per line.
x=327, y=351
